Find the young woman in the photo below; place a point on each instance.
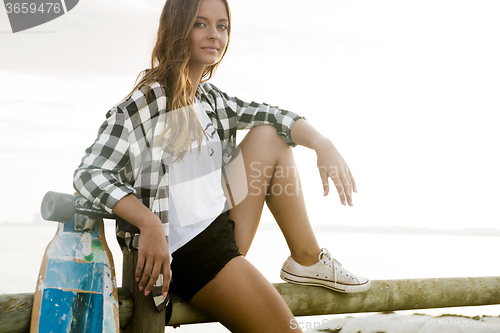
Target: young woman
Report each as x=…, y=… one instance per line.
x=165, y=160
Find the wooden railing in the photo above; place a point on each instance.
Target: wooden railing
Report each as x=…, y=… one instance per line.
x=385, y=295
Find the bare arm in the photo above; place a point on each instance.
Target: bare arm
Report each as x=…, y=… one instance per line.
x=330, y=163
x=154, y=257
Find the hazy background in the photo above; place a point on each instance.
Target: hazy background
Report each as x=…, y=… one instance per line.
x=407, y=90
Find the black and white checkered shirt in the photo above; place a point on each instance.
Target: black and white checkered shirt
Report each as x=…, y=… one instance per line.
x=124, y=159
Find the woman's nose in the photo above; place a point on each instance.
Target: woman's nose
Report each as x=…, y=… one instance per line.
x=213, y=33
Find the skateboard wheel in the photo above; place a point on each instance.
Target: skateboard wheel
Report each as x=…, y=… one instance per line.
x=59, y=207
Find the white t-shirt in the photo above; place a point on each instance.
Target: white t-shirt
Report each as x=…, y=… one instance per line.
x=196, y=197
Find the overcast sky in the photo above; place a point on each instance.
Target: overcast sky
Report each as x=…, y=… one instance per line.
x=407, y=90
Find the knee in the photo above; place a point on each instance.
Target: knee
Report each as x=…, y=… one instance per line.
x=264, y=130
x=267, y=134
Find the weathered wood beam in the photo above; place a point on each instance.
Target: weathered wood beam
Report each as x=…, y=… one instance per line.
x=15, y=312
x=385, y=295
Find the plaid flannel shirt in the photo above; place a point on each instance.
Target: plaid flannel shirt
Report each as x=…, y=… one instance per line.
x=124, y=160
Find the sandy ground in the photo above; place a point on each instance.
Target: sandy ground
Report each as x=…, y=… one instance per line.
x=397, y=323
x=377, y=323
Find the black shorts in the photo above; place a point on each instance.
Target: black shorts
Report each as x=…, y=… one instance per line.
x=198, y=262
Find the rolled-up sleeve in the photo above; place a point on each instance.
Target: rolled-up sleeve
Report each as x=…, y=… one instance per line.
x=251, y=114
x=100, y=176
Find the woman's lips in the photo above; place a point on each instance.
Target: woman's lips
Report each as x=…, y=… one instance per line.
x=210, y=49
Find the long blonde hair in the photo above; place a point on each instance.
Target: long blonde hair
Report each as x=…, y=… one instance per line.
x=170, y=68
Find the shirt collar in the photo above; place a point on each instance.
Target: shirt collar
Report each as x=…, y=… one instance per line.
x=201, y=94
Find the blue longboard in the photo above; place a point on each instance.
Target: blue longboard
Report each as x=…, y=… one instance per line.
x=76, y=289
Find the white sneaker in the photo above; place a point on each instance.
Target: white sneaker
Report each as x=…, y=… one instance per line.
x=327, y=272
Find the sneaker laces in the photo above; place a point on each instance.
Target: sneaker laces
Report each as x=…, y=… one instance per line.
x=326, y=258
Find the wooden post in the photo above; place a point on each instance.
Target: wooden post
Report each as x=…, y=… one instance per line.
x=145, y=317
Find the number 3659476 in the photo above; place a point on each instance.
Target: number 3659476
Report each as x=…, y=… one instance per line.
x=26, y=7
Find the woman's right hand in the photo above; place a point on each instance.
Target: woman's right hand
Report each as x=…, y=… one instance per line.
x=153, y=259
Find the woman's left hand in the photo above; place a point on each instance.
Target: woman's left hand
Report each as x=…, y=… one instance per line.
x=332, y=165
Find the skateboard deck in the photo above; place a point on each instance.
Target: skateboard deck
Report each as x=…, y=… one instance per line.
x=76, y=288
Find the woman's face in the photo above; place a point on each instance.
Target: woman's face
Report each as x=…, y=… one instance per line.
x=209, y=34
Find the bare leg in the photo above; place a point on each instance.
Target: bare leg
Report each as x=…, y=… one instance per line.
x=272, y=177
x=244, y=301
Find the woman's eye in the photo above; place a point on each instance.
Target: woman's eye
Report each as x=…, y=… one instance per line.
x=199, y=24
x=223, y=27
